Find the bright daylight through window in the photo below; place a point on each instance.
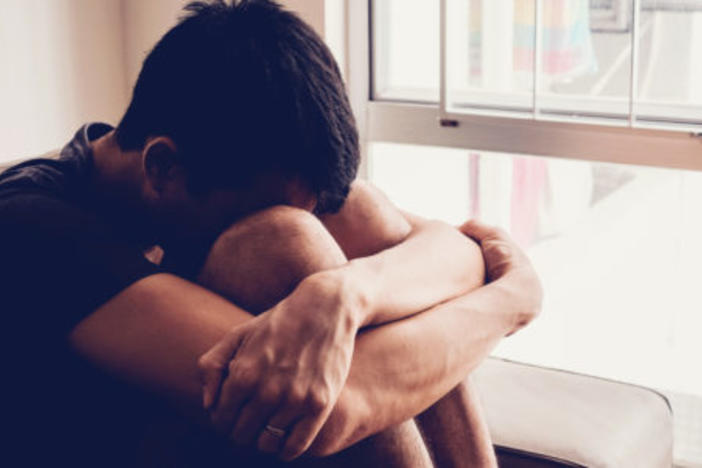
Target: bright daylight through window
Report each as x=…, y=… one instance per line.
x=617, y=245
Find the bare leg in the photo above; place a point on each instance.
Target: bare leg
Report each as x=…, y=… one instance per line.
x=456, y=432
x=398, y=447
x=258, y=262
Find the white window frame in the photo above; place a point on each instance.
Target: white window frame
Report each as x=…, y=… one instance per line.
x=435, y=125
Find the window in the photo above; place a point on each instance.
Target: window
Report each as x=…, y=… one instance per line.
x=575, y=125
x=595, y=61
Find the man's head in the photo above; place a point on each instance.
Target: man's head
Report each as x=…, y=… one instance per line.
x=236, y=96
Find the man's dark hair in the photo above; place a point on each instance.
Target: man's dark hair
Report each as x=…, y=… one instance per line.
x=244, y=90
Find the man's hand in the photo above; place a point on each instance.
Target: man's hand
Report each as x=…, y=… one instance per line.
x=507, y=264
x=285, y=368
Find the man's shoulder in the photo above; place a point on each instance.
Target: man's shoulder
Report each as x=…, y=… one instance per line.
x=41, y=191
x=60, y=261
x=62, y=172
x=20, y=208
x=32, y=176
x=9, y=165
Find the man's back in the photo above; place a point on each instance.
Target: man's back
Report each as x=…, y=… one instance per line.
x=60, y=260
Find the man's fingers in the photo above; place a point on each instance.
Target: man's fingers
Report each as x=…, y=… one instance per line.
x=302, y=436
x=270, y=441
x=252, y=419
x=478, y=230
x=213, y=365
x=238, y=387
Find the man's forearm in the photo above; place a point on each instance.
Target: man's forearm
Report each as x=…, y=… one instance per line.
x=433, y=264
x=400, y=263
x=402, y=368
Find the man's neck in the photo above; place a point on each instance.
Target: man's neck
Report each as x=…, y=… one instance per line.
x=115, y=184
x=114, y=168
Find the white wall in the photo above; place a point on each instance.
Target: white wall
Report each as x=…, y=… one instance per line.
x=61, y=62
x=311, y=11
x=145, y=21
x=327, y=18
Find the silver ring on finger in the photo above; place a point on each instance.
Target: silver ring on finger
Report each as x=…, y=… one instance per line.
x=275, y=431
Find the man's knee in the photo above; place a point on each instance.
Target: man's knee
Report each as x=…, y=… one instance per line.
x=283, y=237
x=260, y=259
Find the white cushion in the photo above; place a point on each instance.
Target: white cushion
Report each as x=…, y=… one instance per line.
x=575, y=418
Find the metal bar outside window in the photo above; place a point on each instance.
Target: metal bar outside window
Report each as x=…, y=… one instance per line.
x=443, y=114
x=634, y=75
x=538, y=43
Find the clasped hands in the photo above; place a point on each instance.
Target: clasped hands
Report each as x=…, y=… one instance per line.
x=274, y=381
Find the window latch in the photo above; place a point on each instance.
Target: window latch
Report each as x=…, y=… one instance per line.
x=448, y=123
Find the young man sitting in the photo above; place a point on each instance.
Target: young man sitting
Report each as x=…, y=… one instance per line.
x=287, y=308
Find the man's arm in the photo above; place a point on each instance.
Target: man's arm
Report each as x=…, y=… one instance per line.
x=153, y=333
x=421, y=262
x=435, y=350
x=411, y=364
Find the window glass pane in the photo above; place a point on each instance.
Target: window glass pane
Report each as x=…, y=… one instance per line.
x=617, y=248
x=404, y=171
x=406, y=50
x=670, y=64
x=585, y=58
x=489, y=54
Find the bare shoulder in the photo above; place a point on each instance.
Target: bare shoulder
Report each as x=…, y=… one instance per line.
x=367, y=223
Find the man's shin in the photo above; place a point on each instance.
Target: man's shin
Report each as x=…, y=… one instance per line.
x=455, y=430
x=401, y=446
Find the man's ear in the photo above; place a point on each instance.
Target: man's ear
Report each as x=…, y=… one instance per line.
x=161, y=166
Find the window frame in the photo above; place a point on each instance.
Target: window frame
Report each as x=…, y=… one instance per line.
x=431, y=124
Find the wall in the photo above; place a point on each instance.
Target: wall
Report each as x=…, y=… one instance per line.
x=61, y=62
x=311, y=11
x=144, y=22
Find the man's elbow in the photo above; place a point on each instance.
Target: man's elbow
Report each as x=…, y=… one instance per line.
x=468, y=251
